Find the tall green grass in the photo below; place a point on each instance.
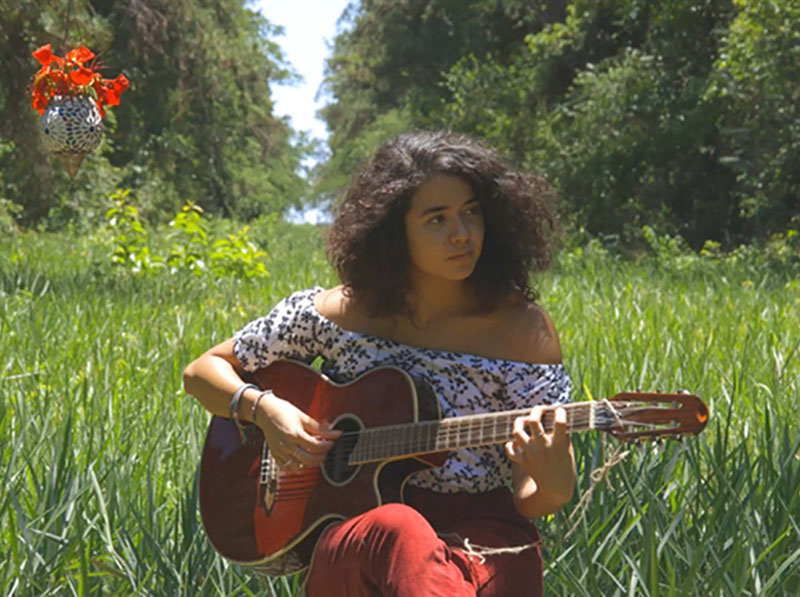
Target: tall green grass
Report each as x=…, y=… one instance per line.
x=99, y=445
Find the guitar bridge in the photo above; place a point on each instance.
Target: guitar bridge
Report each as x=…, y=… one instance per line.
x=269, y=479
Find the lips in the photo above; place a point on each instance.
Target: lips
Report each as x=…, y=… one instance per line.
x=459, y=256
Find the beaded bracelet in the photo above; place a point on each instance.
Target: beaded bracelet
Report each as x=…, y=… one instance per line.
x=237, y=396
x=254, y=410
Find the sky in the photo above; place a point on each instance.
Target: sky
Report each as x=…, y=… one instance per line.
x=309, y=27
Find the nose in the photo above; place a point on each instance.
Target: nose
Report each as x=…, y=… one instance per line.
x=459, y=232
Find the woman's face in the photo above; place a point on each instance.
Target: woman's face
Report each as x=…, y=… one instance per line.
x=444, y=228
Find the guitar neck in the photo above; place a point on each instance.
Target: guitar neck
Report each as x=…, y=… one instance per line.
x=427, y=437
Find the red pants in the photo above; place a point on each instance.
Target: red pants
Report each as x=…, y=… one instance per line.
x=393, y=550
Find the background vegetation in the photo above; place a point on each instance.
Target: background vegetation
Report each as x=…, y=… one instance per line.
x=681, y=114
x=196, y=124
x=671, y=130
x=100, y=444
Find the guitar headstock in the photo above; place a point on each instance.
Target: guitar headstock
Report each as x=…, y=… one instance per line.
x=634, y=415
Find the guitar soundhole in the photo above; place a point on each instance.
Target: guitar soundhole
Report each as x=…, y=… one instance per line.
x=335, y=467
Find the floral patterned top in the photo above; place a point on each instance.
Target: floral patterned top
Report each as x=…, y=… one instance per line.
x=464, y=384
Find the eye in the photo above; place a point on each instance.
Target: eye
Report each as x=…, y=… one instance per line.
x=473, y=210
x=437, y=219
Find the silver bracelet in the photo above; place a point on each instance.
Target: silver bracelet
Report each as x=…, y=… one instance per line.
x=254, y=410
x=237, y=396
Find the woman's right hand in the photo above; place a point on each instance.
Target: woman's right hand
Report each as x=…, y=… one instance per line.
x=295, y=439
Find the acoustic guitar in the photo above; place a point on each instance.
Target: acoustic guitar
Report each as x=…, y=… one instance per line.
x=257, y=515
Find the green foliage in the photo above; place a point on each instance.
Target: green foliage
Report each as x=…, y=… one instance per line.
x=8, y=209
x=197, y=122
x=608, y=106
x=779, y=252
x=375, y=72
x=107, y=505
x=679, y=115
x=191, y=247
x=669, y=250
x=236, y=255
x=332, y=175
x=757, y=81
x=131, y=240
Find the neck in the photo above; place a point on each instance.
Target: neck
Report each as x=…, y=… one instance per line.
x=433, y=299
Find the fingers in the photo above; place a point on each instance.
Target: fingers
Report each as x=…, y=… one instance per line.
x=519, y=431
x=533, y=422
x=315, y=438
x=560, y=426
x=320, y=429
x=529, y=430
x=514, y=452
x=307, y=449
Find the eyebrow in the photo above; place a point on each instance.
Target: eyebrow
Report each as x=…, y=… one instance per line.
x=439, y=208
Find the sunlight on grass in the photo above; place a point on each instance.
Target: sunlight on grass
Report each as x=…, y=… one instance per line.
x=100, y=445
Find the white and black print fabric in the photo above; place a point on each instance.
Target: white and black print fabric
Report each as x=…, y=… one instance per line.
x=464, y=384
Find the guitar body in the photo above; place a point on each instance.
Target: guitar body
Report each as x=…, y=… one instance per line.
x=256, y=515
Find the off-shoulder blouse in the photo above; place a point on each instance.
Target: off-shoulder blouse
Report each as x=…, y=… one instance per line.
x=463, y=383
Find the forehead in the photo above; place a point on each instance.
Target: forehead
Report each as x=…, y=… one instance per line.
x=441, y=191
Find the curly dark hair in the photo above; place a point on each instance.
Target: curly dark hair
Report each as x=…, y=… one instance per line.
x=367, y=241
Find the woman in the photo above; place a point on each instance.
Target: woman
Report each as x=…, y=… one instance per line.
x=434, y=243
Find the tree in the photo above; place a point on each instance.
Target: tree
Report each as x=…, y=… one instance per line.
x=677, y=114
x=389, y=58
x=197, y=123
x=757, y=81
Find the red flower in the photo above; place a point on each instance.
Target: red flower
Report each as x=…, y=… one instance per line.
x=118, y=85
x=80, y=55
x=71, y=76
x=82, y=76
x=45, y=55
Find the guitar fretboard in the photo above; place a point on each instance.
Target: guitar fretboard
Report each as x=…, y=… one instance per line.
x=426, y=437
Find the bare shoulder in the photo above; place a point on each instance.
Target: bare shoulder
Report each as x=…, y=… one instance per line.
x=336, y=305
x=530, y=332
x=331, y=303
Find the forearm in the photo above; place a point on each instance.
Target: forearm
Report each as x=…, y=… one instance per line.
x=212, y=378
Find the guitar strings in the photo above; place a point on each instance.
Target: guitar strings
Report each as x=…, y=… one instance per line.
x=409, y=440
x=300, y=485
x=454, y=430
x=446, y=435
x=397, y=440
x=354, y=437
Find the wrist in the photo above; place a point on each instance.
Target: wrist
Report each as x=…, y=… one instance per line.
x=253, y=400
x=235, y=407
x=264, y=397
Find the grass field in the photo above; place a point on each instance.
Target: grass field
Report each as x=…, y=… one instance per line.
x=99, y=445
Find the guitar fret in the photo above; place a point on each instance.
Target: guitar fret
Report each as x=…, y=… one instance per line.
x=442, y=435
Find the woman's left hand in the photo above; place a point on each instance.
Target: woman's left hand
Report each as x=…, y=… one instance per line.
x=546, y=457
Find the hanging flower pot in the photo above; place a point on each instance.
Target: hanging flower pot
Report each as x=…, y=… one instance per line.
x=70, y=95
x=71, y=127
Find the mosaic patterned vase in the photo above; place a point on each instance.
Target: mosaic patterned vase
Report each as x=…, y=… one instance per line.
x=71, y=127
